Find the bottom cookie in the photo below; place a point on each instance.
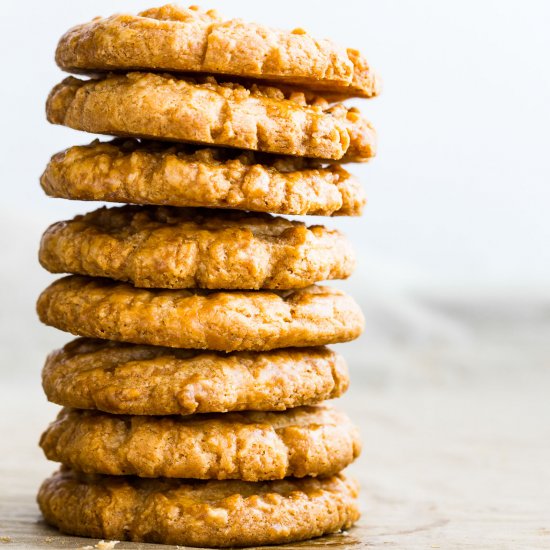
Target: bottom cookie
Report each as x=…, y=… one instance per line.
x=198, y=513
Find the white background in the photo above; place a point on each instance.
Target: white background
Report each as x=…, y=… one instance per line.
x=458, y=196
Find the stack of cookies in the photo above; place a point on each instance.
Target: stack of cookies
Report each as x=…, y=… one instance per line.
x=192, y=402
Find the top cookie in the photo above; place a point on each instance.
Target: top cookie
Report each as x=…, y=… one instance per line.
x=171, y=38
x=201, y=110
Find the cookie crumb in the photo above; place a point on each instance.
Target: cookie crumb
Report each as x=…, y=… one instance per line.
x=5, y=540
x=101, y=545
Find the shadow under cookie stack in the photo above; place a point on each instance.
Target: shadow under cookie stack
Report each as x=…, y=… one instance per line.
x=193, y=409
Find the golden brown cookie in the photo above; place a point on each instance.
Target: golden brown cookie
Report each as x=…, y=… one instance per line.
x=198, y=513
x=167, y=247
x=251, y=446
x=131, y=379
x=201, y=110
x=172, y=38
x=126, y=170
x=200, y=319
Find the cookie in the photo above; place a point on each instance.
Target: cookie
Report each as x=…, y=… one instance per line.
x=167, y=247
x=201, y=110
x=200, y=319
x=131, y=379
x=198, y=513
x=171, y=38
x=251, y=446
x=126, y=170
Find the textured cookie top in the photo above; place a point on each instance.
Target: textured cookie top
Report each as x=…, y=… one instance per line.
x=251, y=446
x=131, y=379
x=172, y=38
x=167, y=247
x=198, y=513
x=201, y=110
x=126, y=170
x=200, y=319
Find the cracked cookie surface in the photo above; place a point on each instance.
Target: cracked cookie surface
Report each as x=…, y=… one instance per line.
x=250, y=446
x=203, y=111
x=200, y=319
x=134, y=379
x=198, y=513
x=164, y=247
x=130, y=171
x=172, y=38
